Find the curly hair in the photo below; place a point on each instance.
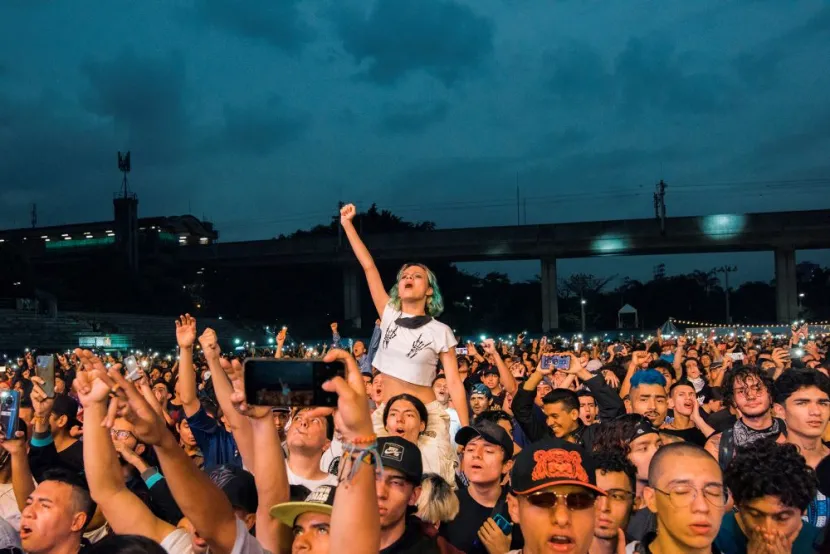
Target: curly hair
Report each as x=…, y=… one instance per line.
x=435, y=302
x=616, y=434
x=740, y=374
x=771, y=469
x=795, y=379
x=612, y=461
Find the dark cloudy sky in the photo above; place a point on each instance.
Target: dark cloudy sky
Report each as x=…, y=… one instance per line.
x=262, y=114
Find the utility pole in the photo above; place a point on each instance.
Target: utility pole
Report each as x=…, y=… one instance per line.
x=336, y=220
x=34, y=216
x=726, y=270
x=660, y=205
x=518, y=203
x=582, y=303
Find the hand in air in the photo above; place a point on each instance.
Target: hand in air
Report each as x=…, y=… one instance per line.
x=347, y=214
x=186, y=331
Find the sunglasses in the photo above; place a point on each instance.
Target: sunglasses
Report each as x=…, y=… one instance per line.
x=573, y=500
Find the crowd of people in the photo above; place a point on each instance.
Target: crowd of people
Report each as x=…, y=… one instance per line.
x=674, y=445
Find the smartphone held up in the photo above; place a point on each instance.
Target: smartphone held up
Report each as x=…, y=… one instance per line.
x=290, y=383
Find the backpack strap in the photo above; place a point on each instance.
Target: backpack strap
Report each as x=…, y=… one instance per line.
x=727, y=448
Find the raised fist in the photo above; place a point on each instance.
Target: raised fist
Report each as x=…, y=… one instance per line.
x=347, y=213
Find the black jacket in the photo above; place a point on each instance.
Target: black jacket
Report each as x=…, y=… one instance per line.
x=609, y=402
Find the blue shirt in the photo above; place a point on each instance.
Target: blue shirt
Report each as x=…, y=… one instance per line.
x=217, y=444
x=732, y=540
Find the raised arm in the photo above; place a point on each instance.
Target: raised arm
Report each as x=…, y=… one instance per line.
x=200, y=500
x=280, y=342
x=23, y=484
x=125, y=512
x=455, y=385
x=186, y=336
x=219, y=370
x=376, y=288
x=505, y=376
x=268, y=467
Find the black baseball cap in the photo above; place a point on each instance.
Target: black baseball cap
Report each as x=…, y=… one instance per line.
x=490, y=370
x=238, y=485
x=489, y=431
x=321, y=501
x=402, y=455
x=550, y=462
x=641, y=428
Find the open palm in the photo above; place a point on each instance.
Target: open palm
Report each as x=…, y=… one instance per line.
x=186, y=331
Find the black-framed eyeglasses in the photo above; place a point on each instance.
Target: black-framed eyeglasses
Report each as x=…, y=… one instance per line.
x=620, y=495
x=581, y=500
x=682, y=496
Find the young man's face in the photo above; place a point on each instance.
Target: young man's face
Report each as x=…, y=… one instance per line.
x=307, y=432
x=588, y=410
x=650, y=401
x=541, y=390
x=690, y=507
x=555, y=528
x=642, y=450
x=751, y=397
x=490, y=381
x=806, y=412
x=613, y=511
x=49, y=518
x=683, y=400
x=770, y=515
x=311, y=534
x=483, y=462
x=442, y=392
x=560, y=419
x=479, y=403
x=394, y=494
x=404, y=421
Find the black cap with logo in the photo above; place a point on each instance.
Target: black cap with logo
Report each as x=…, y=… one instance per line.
x=402, y=455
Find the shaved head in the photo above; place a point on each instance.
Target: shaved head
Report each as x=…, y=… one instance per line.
x=666, y=457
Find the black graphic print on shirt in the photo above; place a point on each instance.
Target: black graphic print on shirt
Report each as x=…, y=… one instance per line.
x=391, y=333
x=417, y=346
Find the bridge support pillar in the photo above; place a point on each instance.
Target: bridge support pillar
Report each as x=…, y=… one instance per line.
x=351, y=295
x=550, y=298
x=786, y=290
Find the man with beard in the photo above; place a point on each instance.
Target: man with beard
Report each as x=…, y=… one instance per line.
x=749, y=390
x=687, y=423
x=648, y=396
x=480, y=399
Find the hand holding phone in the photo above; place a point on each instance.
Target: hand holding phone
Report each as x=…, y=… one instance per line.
x=9, y=413
x=546, y=361
x=45, y=369
x=290, y=383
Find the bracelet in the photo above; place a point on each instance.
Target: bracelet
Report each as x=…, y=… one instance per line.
x=357, y=455
x=369, y=439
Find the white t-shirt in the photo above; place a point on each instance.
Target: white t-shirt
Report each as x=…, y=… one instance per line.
x=294, y=479
x=331, y=457
x=177, y=542
x=8, y=506
x=455, y=426
x=245, y=542
x=411, y=355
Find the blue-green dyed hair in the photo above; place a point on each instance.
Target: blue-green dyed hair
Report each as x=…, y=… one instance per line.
x=435, y=303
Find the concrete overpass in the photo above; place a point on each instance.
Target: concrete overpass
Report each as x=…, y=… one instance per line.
x=780, y=232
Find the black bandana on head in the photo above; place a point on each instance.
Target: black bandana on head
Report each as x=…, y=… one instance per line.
x=415, y=322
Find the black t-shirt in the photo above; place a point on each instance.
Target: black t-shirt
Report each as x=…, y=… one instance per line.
x=692, y=435
x=719, y=421
x=413, y=541
x=462, y=532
